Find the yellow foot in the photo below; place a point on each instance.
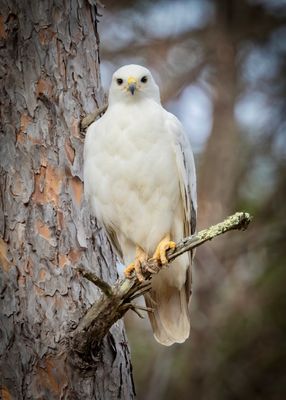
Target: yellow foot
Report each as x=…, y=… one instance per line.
x=129, y=270
x=162, y=248
x=140, y=257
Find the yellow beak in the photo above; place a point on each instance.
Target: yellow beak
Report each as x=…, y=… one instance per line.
x=132, y=84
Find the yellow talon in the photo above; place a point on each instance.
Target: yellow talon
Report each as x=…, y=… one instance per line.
x=129, y=269
x=140, y=257
x=162, y=248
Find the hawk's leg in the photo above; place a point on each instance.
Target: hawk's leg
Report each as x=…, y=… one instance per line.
x=160, y=252
x=140, y=257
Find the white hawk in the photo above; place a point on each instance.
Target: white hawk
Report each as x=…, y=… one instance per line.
x=139, y=179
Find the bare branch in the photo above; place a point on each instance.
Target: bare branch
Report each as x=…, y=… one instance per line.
x=90, y=118
x=87, y=338
x=104, y=286
x=238, y=221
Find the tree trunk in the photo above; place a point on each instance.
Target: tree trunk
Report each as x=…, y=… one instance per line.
x=49, y=70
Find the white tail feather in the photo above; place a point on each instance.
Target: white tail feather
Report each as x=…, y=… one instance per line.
x=170, y=320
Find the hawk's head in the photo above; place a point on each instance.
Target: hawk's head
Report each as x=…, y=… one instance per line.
x=133, y=83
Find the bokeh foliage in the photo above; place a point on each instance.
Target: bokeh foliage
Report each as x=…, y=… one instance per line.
x=221, y=67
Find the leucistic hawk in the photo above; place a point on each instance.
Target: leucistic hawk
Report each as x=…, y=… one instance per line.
x=139, y=179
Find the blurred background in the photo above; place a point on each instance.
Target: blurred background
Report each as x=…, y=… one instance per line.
x=221, y=68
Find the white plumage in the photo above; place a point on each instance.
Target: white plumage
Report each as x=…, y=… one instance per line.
x=139, y=178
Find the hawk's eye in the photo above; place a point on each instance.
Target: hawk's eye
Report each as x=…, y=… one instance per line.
x=119, y=81
x=144, y=79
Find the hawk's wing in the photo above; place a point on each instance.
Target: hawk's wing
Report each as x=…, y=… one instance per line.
x=186, y=170
x=188, y=184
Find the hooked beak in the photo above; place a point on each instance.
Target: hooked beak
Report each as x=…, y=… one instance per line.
x=132, y=85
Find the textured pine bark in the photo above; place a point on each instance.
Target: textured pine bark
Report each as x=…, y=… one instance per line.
x=49, y=71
